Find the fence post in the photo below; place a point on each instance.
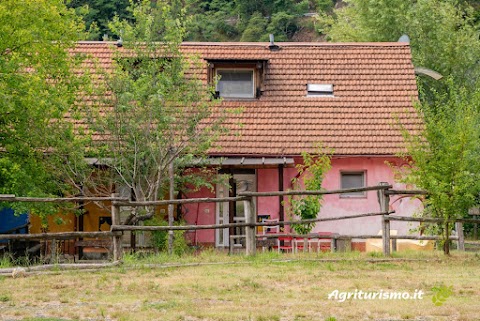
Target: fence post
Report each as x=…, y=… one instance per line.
x=461, y=238
x=230, y=246
x=250, y=231
x=333, y=244
x=475, y=231
x=117, y=237
x=171, y=195
x=384, y=201
x=53, y=252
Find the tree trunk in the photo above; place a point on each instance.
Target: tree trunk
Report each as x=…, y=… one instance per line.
x=446, y=244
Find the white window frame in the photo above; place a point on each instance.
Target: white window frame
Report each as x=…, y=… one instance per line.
x=356, y=194
x=236, y=69
x=320, y=90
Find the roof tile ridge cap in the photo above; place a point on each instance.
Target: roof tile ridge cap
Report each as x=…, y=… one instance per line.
x=95, y=42
x=229, y=43
x=353, y=44
x=263, y=44
x=297, y=44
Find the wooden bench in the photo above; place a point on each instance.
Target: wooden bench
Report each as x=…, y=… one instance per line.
x=103, y=244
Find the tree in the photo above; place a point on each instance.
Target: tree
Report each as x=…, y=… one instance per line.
x=160, y=116
x=97, y=14
x=211, y=20
x=444, y=156
x=442, y=32
x=256, y=28
x=38, y=88
x=310, y=177
x=282, y=25
x=444, y=37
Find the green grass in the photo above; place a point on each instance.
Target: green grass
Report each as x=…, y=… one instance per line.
x=45, y=319
x=217, y=287
x=6, y=261
x=5, y=298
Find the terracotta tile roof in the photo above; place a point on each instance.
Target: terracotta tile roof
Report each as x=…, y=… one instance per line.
x=374, y=84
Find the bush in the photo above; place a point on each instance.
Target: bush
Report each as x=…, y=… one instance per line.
x=159, y=239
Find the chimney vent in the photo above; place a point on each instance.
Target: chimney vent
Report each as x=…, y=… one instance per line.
x=273, y=46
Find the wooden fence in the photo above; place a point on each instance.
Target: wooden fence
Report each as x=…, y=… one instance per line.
x=384, y=191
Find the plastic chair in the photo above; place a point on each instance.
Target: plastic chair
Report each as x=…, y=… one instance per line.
x=272, y=229
x=285, y=244
x=299, y=244
x=321, y=244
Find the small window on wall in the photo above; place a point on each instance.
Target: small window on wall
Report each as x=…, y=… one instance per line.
x=236, y=83
x=352, y=180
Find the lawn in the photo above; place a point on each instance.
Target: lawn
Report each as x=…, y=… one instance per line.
x=214, y=286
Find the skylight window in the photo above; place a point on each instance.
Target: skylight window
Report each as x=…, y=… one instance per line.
x=319, y=90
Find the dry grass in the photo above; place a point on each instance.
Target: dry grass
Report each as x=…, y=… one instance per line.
x=248, y=289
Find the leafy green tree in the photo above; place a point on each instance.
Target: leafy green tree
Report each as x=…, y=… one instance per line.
x=247, y=8
x=280, y=18
x=325, y=5
x=444, y=155
x=161, y=114
x=256, y=28
x=38, y=88
x=444, y=37
x=442, y=32
x=97, y=14
x=283, y=25
x=310, y=177
x=212, y=26
x=211, y=20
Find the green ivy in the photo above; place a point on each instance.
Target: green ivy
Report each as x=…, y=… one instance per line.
x=310, y=177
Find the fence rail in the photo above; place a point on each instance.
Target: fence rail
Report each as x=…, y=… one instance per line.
x=13, y=198
x=384, y=191
x=429, y=219
x=319, y=192
x=57, y=236
x=228, y=225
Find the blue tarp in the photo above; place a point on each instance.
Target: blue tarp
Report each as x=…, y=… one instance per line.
x=10, y=221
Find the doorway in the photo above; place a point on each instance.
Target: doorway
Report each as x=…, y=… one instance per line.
x=233, y=212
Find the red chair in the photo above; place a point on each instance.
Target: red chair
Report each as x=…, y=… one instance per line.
x=299, y=243
x=285, y=244
x=324, y=244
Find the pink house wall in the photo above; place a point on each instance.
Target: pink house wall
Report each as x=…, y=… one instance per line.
x=376, y=170
x=200, y=214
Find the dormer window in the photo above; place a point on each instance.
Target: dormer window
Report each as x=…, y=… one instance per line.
x=235, y=83
x=319, y=90
x=237, y=79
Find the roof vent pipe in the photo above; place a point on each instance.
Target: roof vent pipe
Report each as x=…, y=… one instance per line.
x=272, y=45
x=404, y=38
x=120, y=40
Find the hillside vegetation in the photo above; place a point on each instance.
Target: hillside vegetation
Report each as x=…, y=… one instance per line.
x=221, y=20
x=237, y=20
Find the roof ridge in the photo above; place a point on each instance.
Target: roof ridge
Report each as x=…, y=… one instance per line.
x=298, y=44
x=281, y=44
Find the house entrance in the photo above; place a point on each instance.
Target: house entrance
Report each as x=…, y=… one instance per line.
x=233, y=212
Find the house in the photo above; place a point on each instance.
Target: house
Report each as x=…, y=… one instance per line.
x=346, y=96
